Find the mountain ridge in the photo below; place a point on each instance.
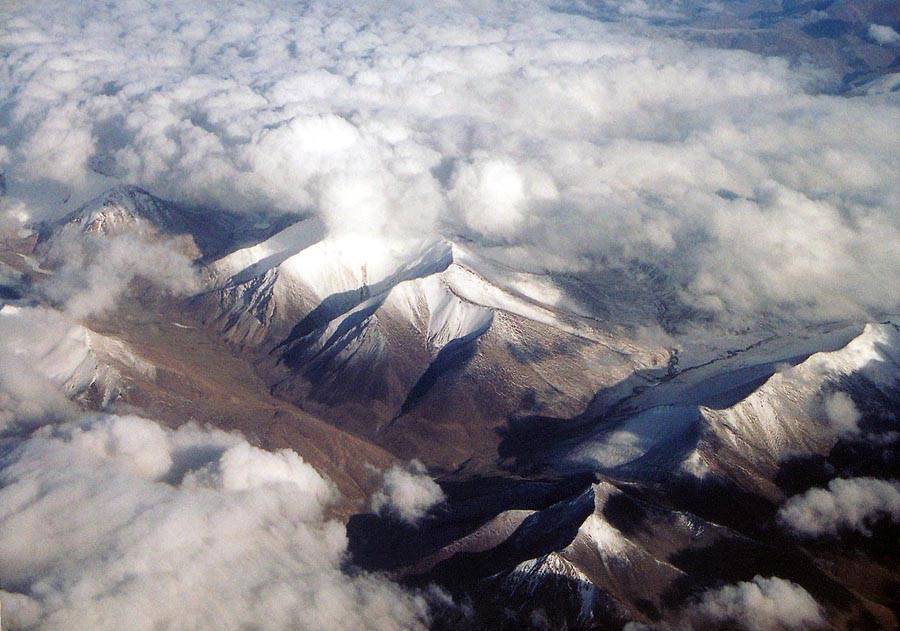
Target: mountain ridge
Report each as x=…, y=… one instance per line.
x=595, y=473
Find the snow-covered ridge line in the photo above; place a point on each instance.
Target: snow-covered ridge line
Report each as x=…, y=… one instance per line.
x=255, y=260
x=123, y=208
x=786, y=413
x=433, y=283
x=789, y=412
x=875, y=352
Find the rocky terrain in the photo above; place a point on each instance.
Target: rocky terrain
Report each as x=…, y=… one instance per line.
x=595, y=475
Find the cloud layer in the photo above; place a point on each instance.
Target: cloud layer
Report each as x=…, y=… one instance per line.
x=43, y=357
x=114, y=523
x=846, y=505
x=565, y=144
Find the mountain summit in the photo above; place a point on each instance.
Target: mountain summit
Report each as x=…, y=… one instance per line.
x=592, y=473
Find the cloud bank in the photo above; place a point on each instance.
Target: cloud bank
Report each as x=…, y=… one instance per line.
x=846, y=505
x=114, y=522
x=44, y=357
x=557, y=142
x=407, y=494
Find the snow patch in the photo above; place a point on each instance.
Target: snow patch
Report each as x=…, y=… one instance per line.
x=783, y=415
x=242, y=265
x=450, y=316
x=531, y=574
x=469, y=286
x=362, y=263
x=605, y=539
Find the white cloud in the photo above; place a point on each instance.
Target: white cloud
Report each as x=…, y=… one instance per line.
x=94, y=271
x=569, y=141
x=883, y=35
x=114, y=522
x=846, y=505
x=407, y=494
x=43, y=356
x=763, y=603
x=842, y=413
x=490, y=195
x=60, y=146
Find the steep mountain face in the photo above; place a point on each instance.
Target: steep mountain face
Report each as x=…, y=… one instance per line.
x=805, y=409
x=130, y=210
x=152, y=354
x=595, y=474
x=743, y=421
x=684, y=499
x=381, y=336
x=124, y=209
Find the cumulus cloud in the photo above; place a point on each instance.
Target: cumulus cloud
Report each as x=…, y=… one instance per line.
x=490, y=195
x=43, y=356
x=113, y=522
x=846, y=505
x=563, y=143
x=842, y=413
x=407, y=493
x=883, y=35
x=763, y=603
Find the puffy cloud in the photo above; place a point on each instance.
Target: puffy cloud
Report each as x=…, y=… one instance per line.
x=763, y=603
x=846, y=505
x=60, y=146
x=491, y=197
x=564, y=143
x=407, y=494
x=43, y=357
x=883, y=35
x=113, y=522
x=94, y=271
x=842, y=413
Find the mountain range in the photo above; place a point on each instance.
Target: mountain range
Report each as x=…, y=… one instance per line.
x=607, y=454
